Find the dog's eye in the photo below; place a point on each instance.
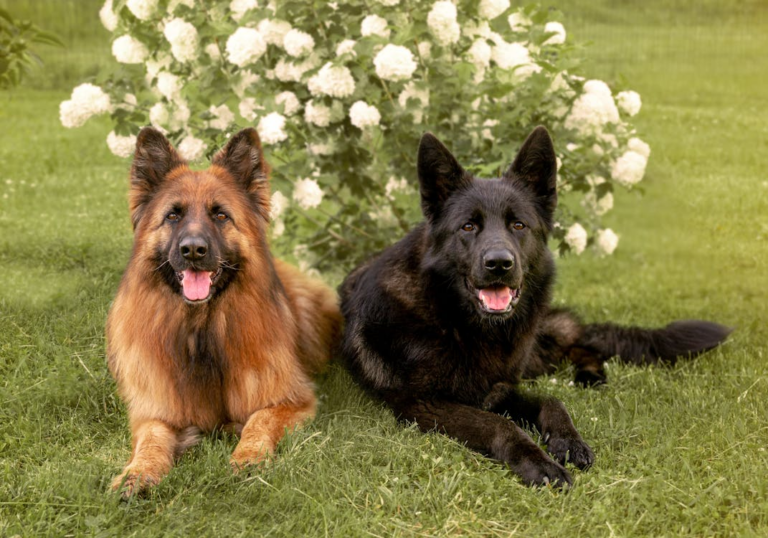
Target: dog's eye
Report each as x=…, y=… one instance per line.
x=518, y=225
x=221, y=216
x=468, y=227
x=173, y=217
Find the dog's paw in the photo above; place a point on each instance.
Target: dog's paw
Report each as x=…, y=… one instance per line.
x=132, y=482
x=543, y=472
x=244, y=458
x=571, y=450
x=590, y=377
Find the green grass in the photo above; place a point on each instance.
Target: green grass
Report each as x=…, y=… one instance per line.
x=680, y=451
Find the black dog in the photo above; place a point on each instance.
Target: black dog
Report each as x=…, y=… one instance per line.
x=444, y=324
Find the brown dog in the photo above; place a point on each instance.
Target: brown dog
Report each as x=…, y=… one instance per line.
x=207, y=330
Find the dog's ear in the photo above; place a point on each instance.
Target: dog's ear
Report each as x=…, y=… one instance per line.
x=153, y=159
x=535, y=167
x=439, y=175
x=243, y=158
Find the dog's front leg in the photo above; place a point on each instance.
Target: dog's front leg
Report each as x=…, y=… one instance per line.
x=154, y=443
x=548, y=415
x=265, y=428
x=488, y=433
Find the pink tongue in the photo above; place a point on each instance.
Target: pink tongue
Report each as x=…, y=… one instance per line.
x=196, y=284
x=496, y=298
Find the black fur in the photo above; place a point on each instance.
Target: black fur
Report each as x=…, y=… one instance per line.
x=432, y=331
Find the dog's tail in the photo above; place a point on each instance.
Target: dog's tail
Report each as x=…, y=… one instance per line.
x=635, y=345
x=589, y=346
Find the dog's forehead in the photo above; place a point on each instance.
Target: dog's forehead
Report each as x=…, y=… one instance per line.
x=198, y=185
x=494, y=198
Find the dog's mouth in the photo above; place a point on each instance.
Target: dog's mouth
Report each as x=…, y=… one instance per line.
x=497, y=298
x=197, y=286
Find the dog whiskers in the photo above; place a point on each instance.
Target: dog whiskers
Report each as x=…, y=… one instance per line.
x=226, y=265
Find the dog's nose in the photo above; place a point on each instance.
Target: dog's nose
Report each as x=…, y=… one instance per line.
x=498, y=261
x=193, y=247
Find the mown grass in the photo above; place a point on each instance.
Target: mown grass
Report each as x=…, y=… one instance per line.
x=680, y=451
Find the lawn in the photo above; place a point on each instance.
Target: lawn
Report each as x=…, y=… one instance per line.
x=680, y=451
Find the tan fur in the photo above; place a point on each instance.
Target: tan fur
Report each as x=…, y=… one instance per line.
x=274, y=335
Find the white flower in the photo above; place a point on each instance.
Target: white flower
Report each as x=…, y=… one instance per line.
x=599, y=206
x=246, y=80
x=576, y=238
x=290, y=102
x=629, y=102
x=161, y=116
x=317, y=114
x=389, y=3
x=307, y=193
x=607, y=241
x=248, y=108
x=487, y=134
x=609, y=139
x=122, y=146
x=362, y=115
x=272, y=128
x=335, y=81
x=442, y=23
x=374, y=25
x=473, y=29
x=277, y=205
x=326, y=148
x=273, y=31
x=346, y=47
x=514, y=56
x=629, y=168
x=395, y=185
x=593, y=109
x=245, y=46
x=87, y=100
x=519, y=22
x=425, y=50
x=223, y=117
x=169, y=85
x=278, y=227
x=298, y=43
x=480, y=53
x=638, y=146
x=490, y=9
x=128, y=50
x=142, y=9
x=394, y=63
x=108, y=16
x=191, y=148
x=212, y=50
x=559, y=37
x=154, y=67
x=240, y=7
x=292, y=72
x=412, y=92
x=183, y=39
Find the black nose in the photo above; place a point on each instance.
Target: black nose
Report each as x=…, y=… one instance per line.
x=193, y=248
x=498, y=261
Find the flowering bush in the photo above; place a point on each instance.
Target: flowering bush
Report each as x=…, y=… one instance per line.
x=341, y=94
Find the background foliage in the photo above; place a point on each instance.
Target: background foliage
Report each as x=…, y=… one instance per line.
x=347, y=188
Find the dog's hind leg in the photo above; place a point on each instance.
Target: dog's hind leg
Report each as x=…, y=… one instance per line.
x=549, y=416
x=265, y=428
x=488, y=433
x=154, y=445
